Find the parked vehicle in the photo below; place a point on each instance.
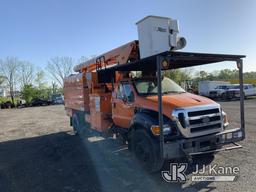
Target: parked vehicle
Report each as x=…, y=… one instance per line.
x=155, y=116
x=219, y=91
x=204, y=87
x=7, y=105
x=57, y=99
x=21, y=103
x=234, y=91
x=39, y=102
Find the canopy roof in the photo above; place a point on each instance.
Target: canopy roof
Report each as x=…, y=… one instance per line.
x=176, y=60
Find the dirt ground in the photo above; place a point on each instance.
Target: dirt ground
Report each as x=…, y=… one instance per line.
x=39, y=153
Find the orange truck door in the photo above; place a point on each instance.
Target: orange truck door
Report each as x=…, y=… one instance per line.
x=122, y=106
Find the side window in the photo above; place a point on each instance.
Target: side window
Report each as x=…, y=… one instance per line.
x=120, y=91
x=142, y=87
x=128, y=92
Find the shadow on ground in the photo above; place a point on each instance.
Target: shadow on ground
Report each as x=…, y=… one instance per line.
x=64, y=162
x=52, y=163
x=116, y=166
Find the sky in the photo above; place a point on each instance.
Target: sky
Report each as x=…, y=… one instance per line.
x=39, y=30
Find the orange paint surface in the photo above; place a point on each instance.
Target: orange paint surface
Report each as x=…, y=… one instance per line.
x=172, y=101
x=74, y=92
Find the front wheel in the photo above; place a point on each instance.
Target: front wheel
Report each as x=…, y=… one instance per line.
x=146, y=150
x=223, y=96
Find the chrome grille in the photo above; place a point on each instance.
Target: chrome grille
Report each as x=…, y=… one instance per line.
x=203, y=112
x=200, y=120
x=213, y=92
x=203, y=120
x=206, y=127
x=197, y=121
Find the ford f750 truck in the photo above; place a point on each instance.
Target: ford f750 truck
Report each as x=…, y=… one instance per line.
x=155, y=116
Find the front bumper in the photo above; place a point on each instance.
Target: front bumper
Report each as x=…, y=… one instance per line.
x=204, y=144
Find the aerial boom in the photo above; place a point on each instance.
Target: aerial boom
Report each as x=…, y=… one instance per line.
x=121, y=55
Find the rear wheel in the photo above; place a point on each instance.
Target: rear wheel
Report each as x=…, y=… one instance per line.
x=146, y=151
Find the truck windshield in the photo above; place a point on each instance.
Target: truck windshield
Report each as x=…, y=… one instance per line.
x=236, y=87
x=149, y=86
x=223, y=87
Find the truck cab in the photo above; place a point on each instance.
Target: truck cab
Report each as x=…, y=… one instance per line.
x=219, y=90
x=131, y=97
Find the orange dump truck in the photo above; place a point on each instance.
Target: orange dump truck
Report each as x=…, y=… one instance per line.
x=124, y=92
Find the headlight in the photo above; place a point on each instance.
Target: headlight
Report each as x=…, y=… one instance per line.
x=155, y=129
x=225, y=119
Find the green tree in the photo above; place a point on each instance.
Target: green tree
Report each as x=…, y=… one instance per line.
x=29, y=92
x=39, y=79
x=203, y=75
x=225, y=74
x=179, y=75
x=211, y=77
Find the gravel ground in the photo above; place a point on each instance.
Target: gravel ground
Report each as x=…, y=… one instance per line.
x=38, y=152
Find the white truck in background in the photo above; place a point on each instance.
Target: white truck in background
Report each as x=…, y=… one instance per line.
x=219, y=91
x=204, y=87
x=234, y=91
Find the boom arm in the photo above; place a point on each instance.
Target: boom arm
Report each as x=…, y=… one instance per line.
x=120, y=55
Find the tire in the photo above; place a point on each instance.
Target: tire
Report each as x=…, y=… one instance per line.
x=75, y=124
x=223, y=96
x=146, y=151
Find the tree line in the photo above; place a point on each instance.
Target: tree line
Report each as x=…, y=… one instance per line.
x=231, y=76
x=192, y=77
x=22, y=75
x=16, y=73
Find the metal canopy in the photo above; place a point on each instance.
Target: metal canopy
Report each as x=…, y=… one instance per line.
x=176, y=60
